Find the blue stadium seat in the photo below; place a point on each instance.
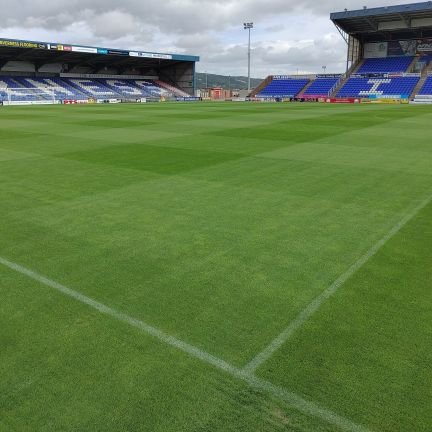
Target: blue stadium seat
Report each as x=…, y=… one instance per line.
x=427, y=87
x=51, y=85
x=385, y=65
x=321, y=87
x=81, y=88
x=284, y=88
x=16, y=90
x=365, y=87
x=426, y=59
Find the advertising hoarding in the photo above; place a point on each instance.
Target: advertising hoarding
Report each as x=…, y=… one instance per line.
x=424, y=46
x=376, y=50
x=402, y=48
x=150, y=55
x=22, y=44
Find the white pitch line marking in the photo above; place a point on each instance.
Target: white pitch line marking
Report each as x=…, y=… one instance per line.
x=315, y=305
x=292, y=399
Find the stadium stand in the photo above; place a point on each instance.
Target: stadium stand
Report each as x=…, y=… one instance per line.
x=92, y=88
x=13, y=88
x=50, y=86
x=321, y=87
x=426, y=90
x=283, y=88
x=171, y=89
x=45, y=72
x=365, y=87
x=425, y=60
x=404, y=48
x=385, y=65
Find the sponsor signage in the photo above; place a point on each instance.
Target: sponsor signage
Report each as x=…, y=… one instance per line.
x=117, y=52
x=188, y=99
x=13, y=43
x=375, y=75
x=402, y=48
x=59, y=47
x=22, y=44
x=108, y=101
x=42, y=102
x=84, y=50
x=382, y=97
x=74, y=101
x=342, y=100
x=424, y=46
x=386, y=100
x=150, y=55
x=329, y=76
x=376, y=50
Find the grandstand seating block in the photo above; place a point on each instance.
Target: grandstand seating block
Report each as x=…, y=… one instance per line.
x=321, y=87
x=284, y=88
x=365, y=87
x=385, y=65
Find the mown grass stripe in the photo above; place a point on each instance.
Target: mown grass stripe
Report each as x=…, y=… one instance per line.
x=290, y=398
x=315, y=305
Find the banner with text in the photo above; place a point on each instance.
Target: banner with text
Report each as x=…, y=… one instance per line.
x=402, y=48
x=22, y=44
x=424, y=46
x=375, y=50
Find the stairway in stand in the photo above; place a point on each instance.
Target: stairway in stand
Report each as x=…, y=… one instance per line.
x=350, y=72
x=301, y=94
x=424, y=76
x=262, y=86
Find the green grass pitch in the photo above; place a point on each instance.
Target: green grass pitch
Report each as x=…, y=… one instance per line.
x=217, y=225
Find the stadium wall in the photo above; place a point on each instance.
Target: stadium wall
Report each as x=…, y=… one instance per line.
x=181, y=75
x=410, y=47
x=46, y=59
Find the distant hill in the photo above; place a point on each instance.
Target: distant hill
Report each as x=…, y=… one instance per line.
x=234, y=83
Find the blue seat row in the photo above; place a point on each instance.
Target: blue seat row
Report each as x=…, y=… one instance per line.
x=321, y=87
x=284, y=88
x=37, y=88
x=365, y=87
x=427, y=87
x=385, y=65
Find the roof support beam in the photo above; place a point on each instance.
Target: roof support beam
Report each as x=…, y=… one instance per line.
x=406, y=20
x=22, y=54
x=60, y=56
x=372, y=23
x=119, y=62
x=342, y=33
x=3, y=63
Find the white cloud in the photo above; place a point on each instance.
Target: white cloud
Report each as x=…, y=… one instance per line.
x=289, y=34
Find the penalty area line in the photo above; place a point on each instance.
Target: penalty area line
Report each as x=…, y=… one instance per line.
x=293, y=400
x=316, y=304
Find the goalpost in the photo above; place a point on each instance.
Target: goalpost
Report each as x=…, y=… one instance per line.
x=31, y=96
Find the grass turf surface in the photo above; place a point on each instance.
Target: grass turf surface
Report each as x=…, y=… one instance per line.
x=218, y=224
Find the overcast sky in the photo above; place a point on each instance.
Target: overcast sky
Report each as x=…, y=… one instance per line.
x=289, y=35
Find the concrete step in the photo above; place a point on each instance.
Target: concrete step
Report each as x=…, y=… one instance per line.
x=262, y=86
x=350, y=72
x=301, y=94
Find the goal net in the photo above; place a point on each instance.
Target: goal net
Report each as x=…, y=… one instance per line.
x=30, y=96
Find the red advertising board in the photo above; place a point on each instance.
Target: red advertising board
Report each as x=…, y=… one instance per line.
x=343, y=100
